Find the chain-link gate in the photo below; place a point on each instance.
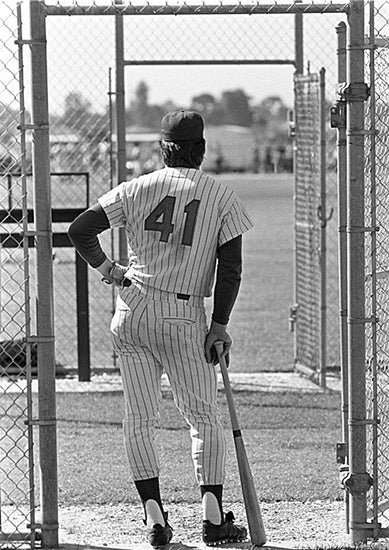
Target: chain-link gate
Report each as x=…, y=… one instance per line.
x=361, y=116
x=314, y=315
x=305, y=314
x=377, y=266
x=76, y=129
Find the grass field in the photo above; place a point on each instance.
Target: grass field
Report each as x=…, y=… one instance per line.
x=259, y=323
x=290, y=439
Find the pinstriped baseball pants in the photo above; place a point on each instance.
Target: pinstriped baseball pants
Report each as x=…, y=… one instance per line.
x=158, y=332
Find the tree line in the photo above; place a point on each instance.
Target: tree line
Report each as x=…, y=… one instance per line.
x=267, y=119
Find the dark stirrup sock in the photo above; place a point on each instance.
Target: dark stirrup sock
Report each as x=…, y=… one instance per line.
x=150, y=495
x=149, y=489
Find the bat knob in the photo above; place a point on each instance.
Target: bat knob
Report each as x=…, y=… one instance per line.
x=219, y=347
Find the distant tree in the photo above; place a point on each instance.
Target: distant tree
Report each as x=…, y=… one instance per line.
x=236, y=108
x=10, y=151
x=140, y=112
x=142, y=94
x=210, y=109
x=77, y=112
x=270, y=119
x=271, y=113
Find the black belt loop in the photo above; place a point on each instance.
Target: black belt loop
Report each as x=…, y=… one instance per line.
x=183, y=296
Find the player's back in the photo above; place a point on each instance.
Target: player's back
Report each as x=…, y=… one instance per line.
x=174, y=217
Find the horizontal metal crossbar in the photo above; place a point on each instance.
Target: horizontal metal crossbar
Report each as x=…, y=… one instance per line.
x=9, y=537
x=200, y=9
x=59, y=215
x=15, y=240
x=210, y=62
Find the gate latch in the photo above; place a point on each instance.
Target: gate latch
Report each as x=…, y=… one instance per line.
x=292, y=317
x=338, y=115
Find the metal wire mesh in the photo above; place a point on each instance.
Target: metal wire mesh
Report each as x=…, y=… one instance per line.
x=17, y=507
x=307, y=224
x=377, y=267
x=81, y=54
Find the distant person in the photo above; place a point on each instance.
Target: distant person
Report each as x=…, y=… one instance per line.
x=256, y=161
x=269, y=164
x=219, y=161
x=180, y=224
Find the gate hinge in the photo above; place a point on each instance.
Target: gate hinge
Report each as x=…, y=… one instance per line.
x=33, y=127
x=361, y=321
x=37, y=422
x=39, y=339
x=43, y=526
x=358, y=484
x=371, y=530
x=354, y=91
x=31, y=42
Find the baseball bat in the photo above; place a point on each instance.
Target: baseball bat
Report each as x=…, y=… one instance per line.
x=253, y=511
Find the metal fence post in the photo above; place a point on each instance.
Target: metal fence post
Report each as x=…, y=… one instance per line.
x=299, y=41
x=120, y=123
x=323, y=235
x=44, y=276
x=340, y=125
x=83, y=340
x=358, y=481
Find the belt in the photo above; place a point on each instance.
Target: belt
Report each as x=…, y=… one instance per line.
x=128, y=282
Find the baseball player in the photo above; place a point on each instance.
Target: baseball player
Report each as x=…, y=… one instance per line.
x=182, y=228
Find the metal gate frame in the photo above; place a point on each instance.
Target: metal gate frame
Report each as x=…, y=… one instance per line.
x=358, y=252
x=358, y=480
x=308, y=316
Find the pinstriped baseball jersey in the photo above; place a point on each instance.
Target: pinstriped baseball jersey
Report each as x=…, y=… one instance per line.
x=175, y=218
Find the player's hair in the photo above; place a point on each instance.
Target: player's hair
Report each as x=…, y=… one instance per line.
x=189, y=154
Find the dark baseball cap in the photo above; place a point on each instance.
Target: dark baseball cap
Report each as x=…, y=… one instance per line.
x=182, y=126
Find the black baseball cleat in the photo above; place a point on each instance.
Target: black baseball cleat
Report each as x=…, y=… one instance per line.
x=227, y=532
x=158, y=535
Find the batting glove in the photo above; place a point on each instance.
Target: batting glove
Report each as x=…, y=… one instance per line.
x=115, y=275
x=217, y=333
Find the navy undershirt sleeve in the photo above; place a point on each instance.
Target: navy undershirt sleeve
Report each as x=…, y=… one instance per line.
x=228, y=277
x=83, y=233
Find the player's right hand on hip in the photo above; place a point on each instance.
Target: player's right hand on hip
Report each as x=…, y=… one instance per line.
x=114, y=274
x=217, y=333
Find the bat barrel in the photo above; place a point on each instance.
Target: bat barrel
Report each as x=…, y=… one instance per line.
x=253, y=511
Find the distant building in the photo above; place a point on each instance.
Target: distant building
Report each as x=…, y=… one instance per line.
x=229, y=149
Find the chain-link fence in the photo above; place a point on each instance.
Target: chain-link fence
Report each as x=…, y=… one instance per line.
x=17, y=351
x=81, y=107
x=83, y=148
x=377, y=264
